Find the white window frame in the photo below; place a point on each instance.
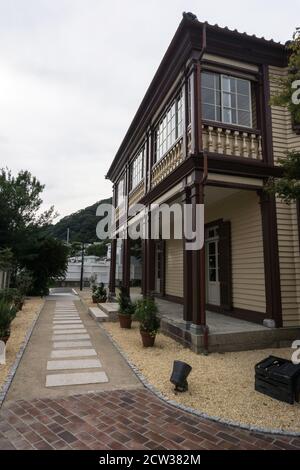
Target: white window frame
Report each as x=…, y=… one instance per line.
x=137, y=169
x=222, y=105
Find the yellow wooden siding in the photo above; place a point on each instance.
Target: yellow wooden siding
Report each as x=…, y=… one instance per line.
x=285, y=139
x=248, y=275
x=174, y=268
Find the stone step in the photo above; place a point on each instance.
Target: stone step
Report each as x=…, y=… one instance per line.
x=97, y=314
x=110, y=309
x=68, y=364
x=57, y=353
x=77, y=378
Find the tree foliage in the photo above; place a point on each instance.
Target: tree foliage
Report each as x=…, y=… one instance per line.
x=22, y=231
x=284, y=95
x=287, y=187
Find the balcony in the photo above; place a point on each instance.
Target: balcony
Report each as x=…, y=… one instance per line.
x=136, y=193
x=222, y=139
x=167, y=163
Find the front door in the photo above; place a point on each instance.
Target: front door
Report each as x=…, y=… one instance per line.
x=212, y=266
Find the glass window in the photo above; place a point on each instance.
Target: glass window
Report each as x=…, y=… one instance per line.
x=226, y=99
x=137, y=169
x=120, y=192
x=170, y=128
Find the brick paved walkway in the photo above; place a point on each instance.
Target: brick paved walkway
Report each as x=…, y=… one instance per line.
x=132, y=419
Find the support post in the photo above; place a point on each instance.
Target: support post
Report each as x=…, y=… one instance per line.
x=187, y=270
x=112, y=271
x=198, y=267
x=271, y=257
x=126, y=265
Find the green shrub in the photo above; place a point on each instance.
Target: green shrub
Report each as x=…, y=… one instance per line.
x=99, y=293
x=146, y=314
x=7, y=314
x=126, y=306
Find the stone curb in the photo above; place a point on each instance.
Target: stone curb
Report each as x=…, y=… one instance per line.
x=5, y=387
x=188, y=409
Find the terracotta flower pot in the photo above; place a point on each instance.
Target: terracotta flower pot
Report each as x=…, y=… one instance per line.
x=5, y=338
x=125, y=321
x=147, y=339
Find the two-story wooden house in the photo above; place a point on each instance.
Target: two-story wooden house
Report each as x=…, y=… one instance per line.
x=205, y=132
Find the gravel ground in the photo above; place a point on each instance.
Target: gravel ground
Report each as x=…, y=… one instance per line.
x=221, y=385
x=19, y=328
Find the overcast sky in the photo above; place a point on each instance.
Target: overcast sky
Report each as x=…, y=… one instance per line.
x=73, y=72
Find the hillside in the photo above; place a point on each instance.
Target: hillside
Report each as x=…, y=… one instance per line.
x=82, y=224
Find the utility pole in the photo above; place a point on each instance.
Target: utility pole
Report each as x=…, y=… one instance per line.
x=68, y=235
x=82, y=266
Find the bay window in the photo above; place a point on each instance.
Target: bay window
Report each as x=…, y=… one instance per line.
x=137, y=169
x=170, y=128
x=226, y=99
x=120, y=192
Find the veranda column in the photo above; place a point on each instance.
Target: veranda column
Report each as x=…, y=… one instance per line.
x=150, y=250
x=271, y=258
x=198, y=267
x=126, y=265
x=144, y=267
x=112, y=271
x=187, y=269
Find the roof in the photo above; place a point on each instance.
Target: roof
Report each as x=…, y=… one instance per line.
x=191, y=35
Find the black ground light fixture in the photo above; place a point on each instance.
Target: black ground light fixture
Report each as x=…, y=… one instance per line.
x=179, y=375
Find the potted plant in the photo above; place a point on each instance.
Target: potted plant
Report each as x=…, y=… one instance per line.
x=99, y=295
x=7, y=314
x=126, y=309
x=146, y=314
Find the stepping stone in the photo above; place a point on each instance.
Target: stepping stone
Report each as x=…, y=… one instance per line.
x=70, y=332
x=74, y=364
x=66, y=336
x=71, y=344
x=66, y=317
x=73, y=353
x=80, y=378
x=68, y=322
x=72, y=327
x=97, y=314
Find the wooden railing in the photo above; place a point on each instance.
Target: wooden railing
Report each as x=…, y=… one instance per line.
x=226, y=141
x=167, y=164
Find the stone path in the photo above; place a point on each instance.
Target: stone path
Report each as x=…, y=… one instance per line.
x=65, y=313
x=53, y=404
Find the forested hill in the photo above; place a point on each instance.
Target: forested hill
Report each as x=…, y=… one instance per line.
x=82, y=224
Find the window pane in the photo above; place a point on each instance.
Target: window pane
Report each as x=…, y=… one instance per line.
x=208, y=80
x=227, y=115
x=225, y=83
x=243, y=102
x=209, y=112
x=243, y=86
x=212, y=275
x=208, y=96
x=233, y=85
x=227, y=100
x=244, y=118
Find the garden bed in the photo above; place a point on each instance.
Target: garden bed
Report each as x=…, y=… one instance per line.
x=220, y=385
x=19, y=327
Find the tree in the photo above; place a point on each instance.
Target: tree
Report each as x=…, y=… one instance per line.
x=20, y=203
x=22, y=230
x=46, y=258
x=98, y=249
x=6, y=259
x=284, y=95
x=288, y=186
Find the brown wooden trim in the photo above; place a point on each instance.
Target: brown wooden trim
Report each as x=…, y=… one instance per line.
x=236, y=166
x=271, y=257
x=298, y=219
x=112, y=271
x=163, y=267
x=266, y=117
x=225, y=266
x=233, y=70
x=187, y=269
x=126, y=264
x=214, y=223
x=223, y=184
x=144, y=267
